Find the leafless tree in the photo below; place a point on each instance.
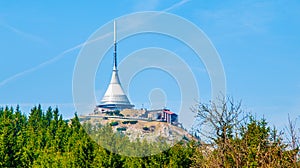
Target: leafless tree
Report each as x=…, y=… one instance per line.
x=219, y=120
x=293, y=136
x=232, y=141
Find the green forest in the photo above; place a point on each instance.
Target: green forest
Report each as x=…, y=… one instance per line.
x=237, y=139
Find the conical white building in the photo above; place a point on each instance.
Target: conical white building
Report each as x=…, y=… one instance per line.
x=114, y=97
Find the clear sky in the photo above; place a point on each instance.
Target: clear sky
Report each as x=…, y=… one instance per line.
x=258, y=42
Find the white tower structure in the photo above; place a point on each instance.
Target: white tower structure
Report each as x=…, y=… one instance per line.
x=114, y=97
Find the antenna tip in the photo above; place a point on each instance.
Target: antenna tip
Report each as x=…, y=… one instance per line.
x=115, y=32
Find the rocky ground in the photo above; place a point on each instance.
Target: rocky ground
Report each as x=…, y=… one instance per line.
x=152, y=131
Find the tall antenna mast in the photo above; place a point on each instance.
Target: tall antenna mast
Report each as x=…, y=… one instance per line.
x=115, y=45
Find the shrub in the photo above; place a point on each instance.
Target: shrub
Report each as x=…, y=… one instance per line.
x=145, y=128
x=121, y=129
x=133, y=122
x=114, y=123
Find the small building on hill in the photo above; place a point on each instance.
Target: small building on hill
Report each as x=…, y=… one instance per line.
x=164, y=115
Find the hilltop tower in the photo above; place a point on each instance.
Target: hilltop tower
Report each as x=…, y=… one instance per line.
x=114, y=97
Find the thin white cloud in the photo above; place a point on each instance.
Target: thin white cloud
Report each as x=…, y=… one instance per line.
x=135, y=22
x=61, y=55
x=52, y=60
x=22, y=33
x=176, y=5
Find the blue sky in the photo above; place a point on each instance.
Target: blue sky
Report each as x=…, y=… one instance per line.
x=258, y=42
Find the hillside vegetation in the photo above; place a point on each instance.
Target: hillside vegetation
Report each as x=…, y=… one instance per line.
x=44, y=139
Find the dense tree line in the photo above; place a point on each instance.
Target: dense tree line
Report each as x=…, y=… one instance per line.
x=44, y=139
